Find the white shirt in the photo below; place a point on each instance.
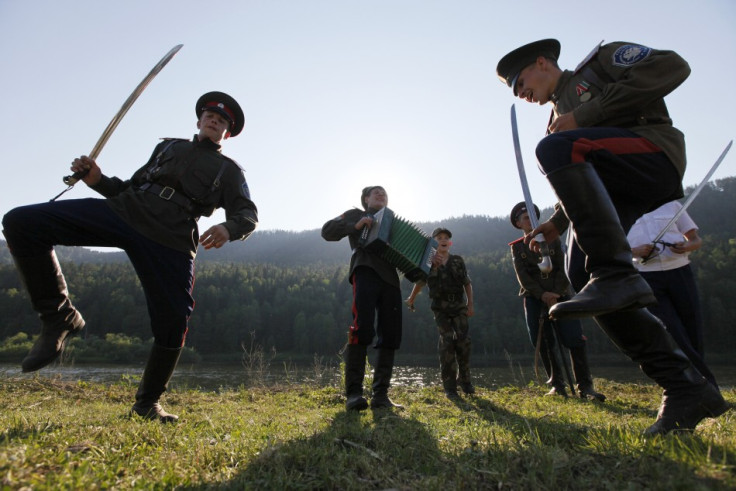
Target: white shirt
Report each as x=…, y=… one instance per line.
x=646, y=229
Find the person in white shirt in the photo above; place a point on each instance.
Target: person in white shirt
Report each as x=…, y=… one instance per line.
x=666, y=267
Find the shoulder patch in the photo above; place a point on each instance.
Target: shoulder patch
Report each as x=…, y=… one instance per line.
x=630, y=54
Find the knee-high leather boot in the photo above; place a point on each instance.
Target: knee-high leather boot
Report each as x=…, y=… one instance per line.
x=382, y=380
x=355, y=356
x=161, y=364
x=687, y=397
x=46, y=286
x=552, y=367
x=584, y=379
x=614, y=282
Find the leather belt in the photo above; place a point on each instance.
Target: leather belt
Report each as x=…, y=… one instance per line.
x=168, y=194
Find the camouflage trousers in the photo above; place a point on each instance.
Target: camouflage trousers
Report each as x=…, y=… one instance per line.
x=454, y=348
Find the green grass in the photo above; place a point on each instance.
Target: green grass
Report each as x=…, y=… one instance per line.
x=63, y=435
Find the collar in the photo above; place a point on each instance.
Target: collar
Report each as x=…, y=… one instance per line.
x=206, y=143
x=564, y=78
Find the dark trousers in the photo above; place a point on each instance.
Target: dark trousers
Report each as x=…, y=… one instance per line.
x=570, y=331
x=376, y=310
x=679, y=308
x=166, y=275
x=638, y=176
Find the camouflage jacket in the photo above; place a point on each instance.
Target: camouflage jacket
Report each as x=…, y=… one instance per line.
x=447, y=285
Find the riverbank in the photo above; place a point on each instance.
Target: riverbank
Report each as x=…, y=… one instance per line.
x=217, y=376
x=74, y=435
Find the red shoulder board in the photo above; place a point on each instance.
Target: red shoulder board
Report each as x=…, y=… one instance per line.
x=520, y=239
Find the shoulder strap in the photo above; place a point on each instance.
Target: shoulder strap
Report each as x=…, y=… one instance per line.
x=516, y=241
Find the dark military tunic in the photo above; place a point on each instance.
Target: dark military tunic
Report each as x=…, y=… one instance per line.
x=531, y=280
x=344, y=226
x=195, y=171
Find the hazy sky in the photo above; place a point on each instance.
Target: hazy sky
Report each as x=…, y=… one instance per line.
x=337, y=94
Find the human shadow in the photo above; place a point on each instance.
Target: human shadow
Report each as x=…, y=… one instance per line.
x=386, y=449
x=351, y=441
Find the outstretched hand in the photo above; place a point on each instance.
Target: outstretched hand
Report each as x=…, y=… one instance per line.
x=215, y=236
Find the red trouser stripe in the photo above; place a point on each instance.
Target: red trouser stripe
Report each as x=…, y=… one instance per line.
x=617, y=146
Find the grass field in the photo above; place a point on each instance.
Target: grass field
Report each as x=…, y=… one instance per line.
x=76, y=435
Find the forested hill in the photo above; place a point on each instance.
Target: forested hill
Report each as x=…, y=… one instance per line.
x=472, y=235
x=713, y=211
x=288, y=291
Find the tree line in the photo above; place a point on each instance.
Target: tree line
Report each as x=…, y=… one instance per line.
x=288, y=291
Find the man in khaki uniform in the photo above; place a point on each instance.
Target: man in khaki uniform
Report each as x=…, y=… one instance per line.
x=612, y=155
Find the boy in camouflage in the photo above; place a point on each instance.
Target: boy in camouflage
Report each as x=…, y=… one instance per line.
x=449, y=287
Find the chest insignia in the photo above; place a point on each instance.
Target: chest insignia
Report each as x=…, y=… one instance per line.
x=582, y=90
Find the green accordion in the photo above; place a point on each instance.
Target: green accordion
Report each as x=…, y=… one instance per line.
x=401, y=244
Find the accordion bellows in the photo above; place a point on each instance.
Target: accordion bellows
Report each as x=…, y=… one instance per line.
x=401, y=244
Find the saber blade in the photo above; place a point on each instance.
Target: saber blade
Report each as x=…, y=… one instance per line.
x=73, y=179
x=546, y=265
x=692, y=197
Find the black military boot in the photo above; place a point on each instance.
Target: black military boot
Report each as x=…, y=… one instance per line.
x=156, y=375
x=614, y=282
x=355, y=356
x=687, y=396
x=382, y=380
x=552, y=367
x=46, y=286
x=581, y=369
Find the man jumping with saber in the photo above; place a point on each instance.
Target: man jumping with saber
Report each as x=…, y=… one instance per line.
x=152, y=217
x=611, y=155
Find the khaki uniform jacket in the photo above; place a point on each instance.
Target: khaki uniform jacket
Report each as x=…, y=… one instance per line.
x=623, y=85
x=532, y=281
x=191, y=168
x=344, y=226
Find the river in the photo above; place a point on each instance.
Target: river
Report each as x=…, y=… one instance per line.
x=215, y=377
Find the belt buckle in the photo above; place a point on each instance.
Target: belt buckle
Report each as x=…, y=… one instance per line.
x=166, y=193
x=451, y=297
x=544, y=276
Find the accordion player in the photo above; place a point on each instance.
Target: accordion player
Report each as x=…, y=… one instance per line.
x=400, y=243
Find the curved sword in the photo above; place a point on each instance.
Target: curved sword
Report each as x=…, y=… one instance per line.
x=546, y=265
x=689, y=199
x=74, y=178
